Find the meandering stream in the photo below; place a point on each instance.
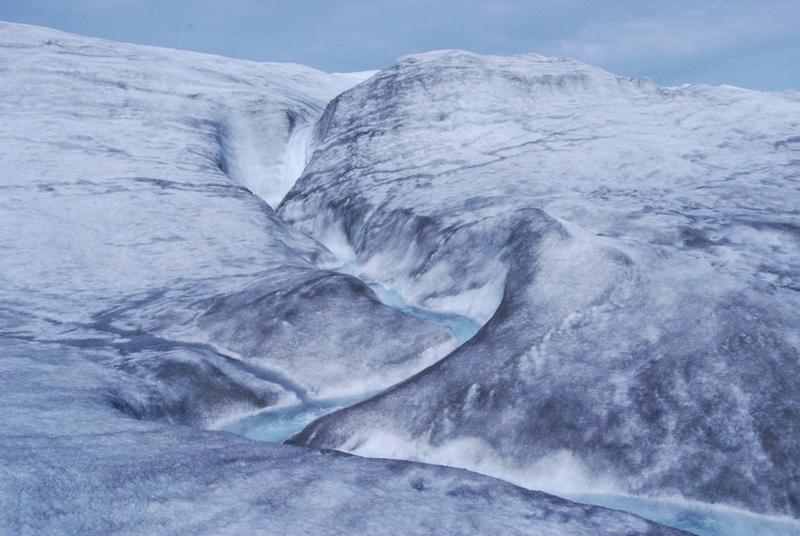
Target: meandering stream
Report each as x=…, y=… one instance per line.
x=279, y=423
x=276, y=424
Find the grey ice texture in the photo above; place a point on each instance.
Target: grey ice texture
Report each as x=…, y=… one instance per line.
x=149, y=294
x=634, y=252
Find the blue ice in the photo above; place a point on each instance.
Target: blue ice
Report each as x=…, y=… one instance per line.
x=278, y=424
x=697, y=518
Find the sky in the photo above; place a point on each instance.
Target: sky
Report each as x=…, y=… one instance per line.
x=746, y=43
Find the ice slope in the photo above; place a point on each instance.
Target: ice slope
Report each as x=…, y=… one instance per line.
x=633, y=250
x=70, y=463
x=130, y=225
x=142, y=278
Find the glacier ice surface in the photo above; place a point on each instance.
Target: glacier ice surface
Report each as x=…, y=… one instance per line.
x=132, y=240
x=632, y=252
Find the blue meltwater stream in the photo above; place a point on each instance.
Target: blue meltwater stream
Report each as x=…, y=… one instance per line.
x=275, y=425
x=695, y=517
x=278, y=424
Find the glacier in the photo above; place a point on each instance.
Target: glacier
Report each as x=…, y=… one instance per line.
x=151, y=295
x=630, y=250
x=502, y=277
x=70, y=463
x=162, y=248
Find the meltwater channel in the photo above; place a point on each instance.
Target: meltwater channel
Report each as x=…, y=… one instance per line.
x=278, y=424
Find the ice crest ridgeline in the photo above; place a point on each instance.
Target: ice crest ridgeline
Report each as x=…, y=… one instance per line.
x=634, y=248
x=143, y=285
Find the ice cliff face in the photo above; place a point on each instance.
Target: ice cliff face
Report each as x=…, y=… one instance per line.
x=634, y=251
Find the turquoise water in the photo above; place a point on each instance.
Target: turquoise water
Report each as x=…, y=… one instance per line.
x=279, y=424
x=698, y=518
x=463, y=328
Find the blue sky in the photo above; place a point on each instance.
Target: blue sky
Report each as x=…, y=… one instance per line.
x=748, y=43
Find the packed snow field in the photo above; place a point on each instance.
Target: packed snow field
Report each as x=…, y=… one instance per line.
x=523, y=267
